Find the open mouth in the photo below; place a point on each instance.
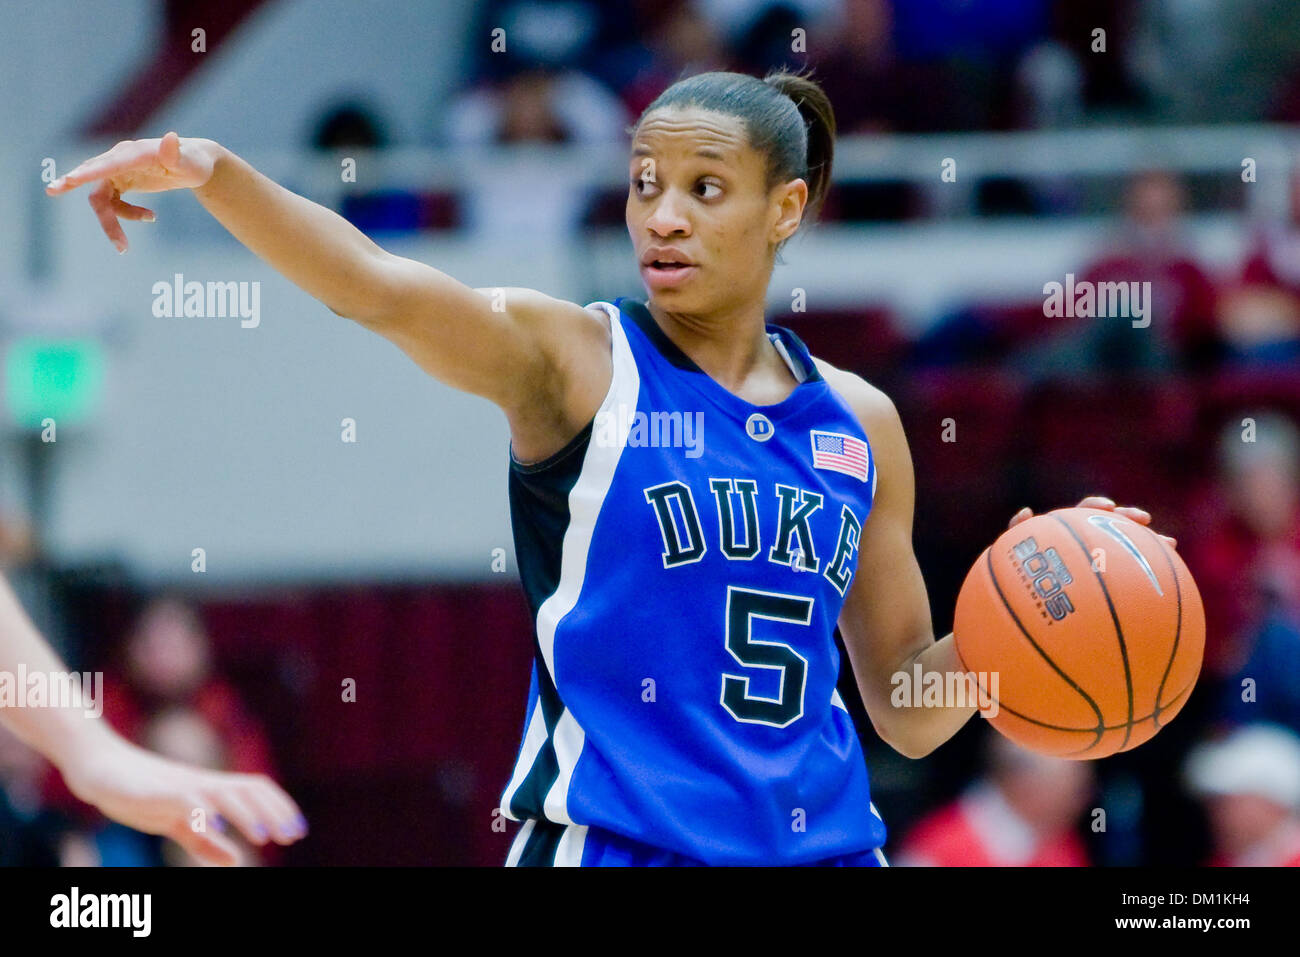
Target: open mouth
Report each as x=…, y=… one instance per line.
x=668, y=266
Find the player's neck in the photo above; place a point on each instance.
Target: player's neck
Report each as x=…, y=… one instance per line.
x=730, y=346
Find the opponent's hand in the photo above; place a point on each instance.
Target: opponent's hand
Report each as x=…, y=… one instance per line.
x=145, y=166
x=158, y=796
x=1141, y=516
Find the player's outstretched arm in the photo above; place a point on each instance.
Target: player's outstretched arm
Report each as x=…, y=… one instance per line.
x=512, y=346
x=127, y=783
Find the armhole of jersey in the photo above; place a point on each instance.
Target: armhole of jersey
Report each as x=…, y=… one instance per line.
x=579, y=441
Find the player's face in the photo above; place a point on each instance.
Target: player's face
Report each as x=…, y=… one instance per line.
x=703, y=221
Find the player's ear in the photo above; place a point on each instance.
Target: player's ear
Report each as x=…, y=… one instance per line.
x=789, y=200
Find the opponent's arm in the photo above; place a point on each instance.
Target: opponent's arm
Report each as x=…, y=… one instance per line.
x=514, y=349
x=127, y=783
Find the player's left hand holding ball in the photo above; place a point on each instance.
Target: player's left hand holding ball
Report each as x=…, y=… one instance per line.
x=1141, y=516
x=1089, y=626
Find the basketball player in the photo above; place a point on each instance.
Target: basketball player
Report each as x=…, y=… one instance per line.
x=128, y=784
x=696, y=500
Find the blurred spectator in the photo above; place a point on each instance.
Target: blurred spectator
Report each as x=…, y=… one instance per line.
x=1178, y=328
x=1152, y=247
x=1274, y=256
x=976, y=44
x=768, y=41
x=1049, y=87
x=167, y=671
x=1250, y=784
x=656, y=43
x=1265, y=689
x=354, y=126
x=30, y=834
x=1247, y=561
x=168, y=664
x=872, y=89
x=535, y=105
x=517, y=35
x=1021, y=813
x=1260, y=325
x=349, y=126
x=526, y=195
x=1180, y=51
x=532, y=87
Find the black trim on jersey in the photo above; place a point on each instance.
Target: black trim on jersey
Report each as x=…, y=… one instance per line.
x=801, y=351
x=539, y=517
x=636, y=310
x=579, y=441
x=540, y=848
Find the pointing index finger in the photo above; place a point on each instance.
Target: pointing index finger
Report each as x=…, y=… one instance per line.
x=103, y=166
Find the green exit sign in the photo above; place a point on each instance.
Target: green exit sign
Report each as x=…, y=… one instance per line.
x=60, y=379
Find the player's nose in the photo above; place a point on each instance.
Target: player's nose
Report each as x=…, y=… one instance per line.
x=668, y=216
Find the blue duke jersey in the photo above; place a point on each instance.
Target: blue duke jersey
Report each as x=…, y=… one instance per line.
x=686, y=558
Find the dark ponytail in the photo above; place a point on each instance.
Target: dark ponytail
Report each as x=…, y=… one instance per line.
x=819, y=120
x=787, y=115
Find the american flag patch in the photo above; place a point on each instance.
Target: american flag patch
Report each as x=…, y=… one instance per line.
x=840, y=453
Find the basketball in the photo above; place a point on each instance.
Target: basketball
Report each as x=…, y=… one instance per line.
x=1085, y=629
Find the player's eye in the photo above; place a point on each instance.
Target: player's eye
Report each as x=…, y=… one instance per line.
x=642, y=184
x=704, y=186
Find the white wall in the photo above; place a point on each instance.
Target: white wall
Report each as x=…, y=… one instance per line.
x=227, y=438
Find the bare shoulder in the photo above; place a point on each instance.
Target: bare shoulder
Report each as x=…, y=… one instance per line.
x=538, y=310
x=571, y=375
x=874, y=409
x=884, y=428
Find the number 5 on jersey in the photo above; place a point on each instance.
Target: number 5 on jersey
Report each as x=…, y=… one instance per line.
x=743, y=606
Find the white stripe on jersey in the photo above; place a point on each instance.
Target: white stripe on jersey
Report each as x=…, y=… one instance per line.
x=568, y=740
x=872, y=804
x=585, y=500
x=534, y=738
x=521, y=839
x=572, y=842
